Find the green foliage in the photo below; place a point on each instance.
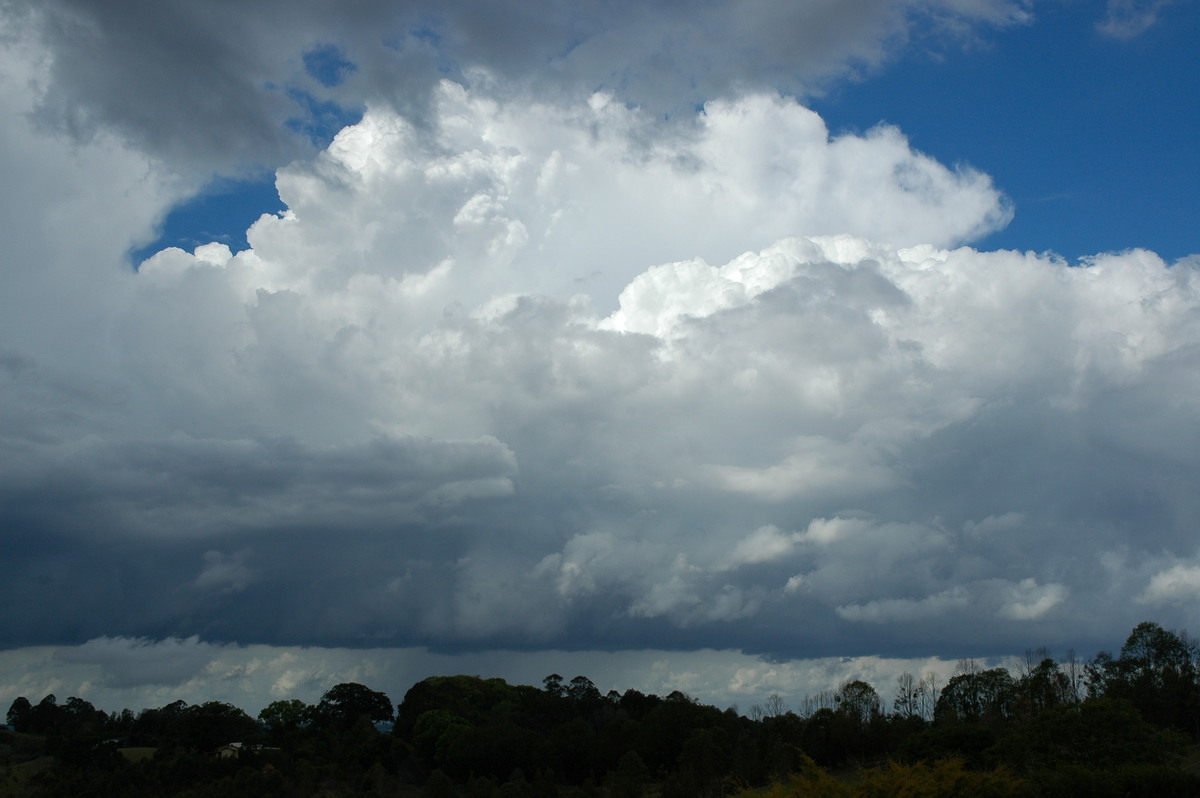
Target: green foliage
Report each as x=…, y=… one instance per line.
x=469, y=697
x=969, y=742
x=438, y=785
x=1125, y=781
x=73, y=719
x=570, y=750
x=630, y=778
x=984, y=697
x=858, y=702
x=1044, y=687
x=942, y=779
x=1157, y=672
x=19, y=714
x=285, y=715
x=214, y=723
x=434, y=732
x=948, y=778
x=809, y=781
x=344, y=704
x=1100, y=733
x=702, y=763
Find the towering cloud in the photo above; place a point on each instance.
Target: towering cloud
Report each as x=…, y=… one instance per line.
x=457, y=385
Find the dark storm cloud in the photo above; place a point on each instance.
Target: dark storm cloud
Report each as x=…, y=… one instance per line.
x=175, y=534
x=181, y=486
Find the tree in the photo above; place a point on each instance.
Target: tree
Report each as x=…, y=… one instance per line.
x=214, y=723
x=858, y=702
x=927, y=698
x=582, y=689
x=554, y=686
x=701, y=764
x=20, y=713
x=810, y=704
x=159, y=727
x=469, y=697
x=434, y=732
x=78, y=718
x=975, y=696
x=438, y=785
x=1098, y=734
x=1157, y=672
x=345, y=703
x=45, y=717
x=285, y=716
x=630, y=777
x=908, y=693
x=1076, y=675
x=1043, y=686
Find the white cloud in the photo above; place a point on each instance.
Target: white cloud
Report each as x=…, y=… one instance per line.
x=1175, y=585
x=68, y=214
x=821, y=466
x=824, y=531
x=762, y=545
x=1027, y=600
x=1128, y=19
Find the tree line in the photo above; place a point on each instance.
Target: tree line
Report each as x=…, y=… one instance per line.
x=1120, y=724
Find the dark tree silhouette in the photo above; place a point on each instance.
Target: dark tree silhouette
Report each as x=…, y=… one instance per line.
x=344, y=704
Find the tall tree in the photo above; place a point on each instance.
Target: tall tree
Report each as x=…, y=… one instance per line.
x=1157, y=671
x=859, y=702
x=908, y=696
x=976, y=696
x=20, y=713
x=1043, y=686
x=344, y=704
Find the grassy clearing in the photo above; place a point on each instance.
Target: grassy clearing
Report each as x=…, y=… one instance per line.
x=14, y=778
x=137, y=754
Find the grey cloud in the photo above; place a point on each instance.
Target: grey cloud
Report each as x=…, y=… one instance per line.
x=211, y=86
x=225, y=573
x=183, y=487
x=131, y=662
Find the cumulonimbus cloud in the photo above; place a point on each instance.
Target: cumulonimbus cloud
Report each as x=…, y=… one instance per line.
x=538, y=373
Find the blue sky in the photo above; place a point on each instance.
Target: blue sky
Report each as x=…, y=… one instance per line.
x=737, y=347
x=1086, y=133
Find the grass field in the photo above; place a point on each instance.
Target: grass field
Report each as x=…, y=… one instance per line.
x=13, y=778
x=137, y=754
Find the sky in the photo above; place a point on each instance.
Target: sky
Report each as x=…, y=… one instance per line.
x=737, y=347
